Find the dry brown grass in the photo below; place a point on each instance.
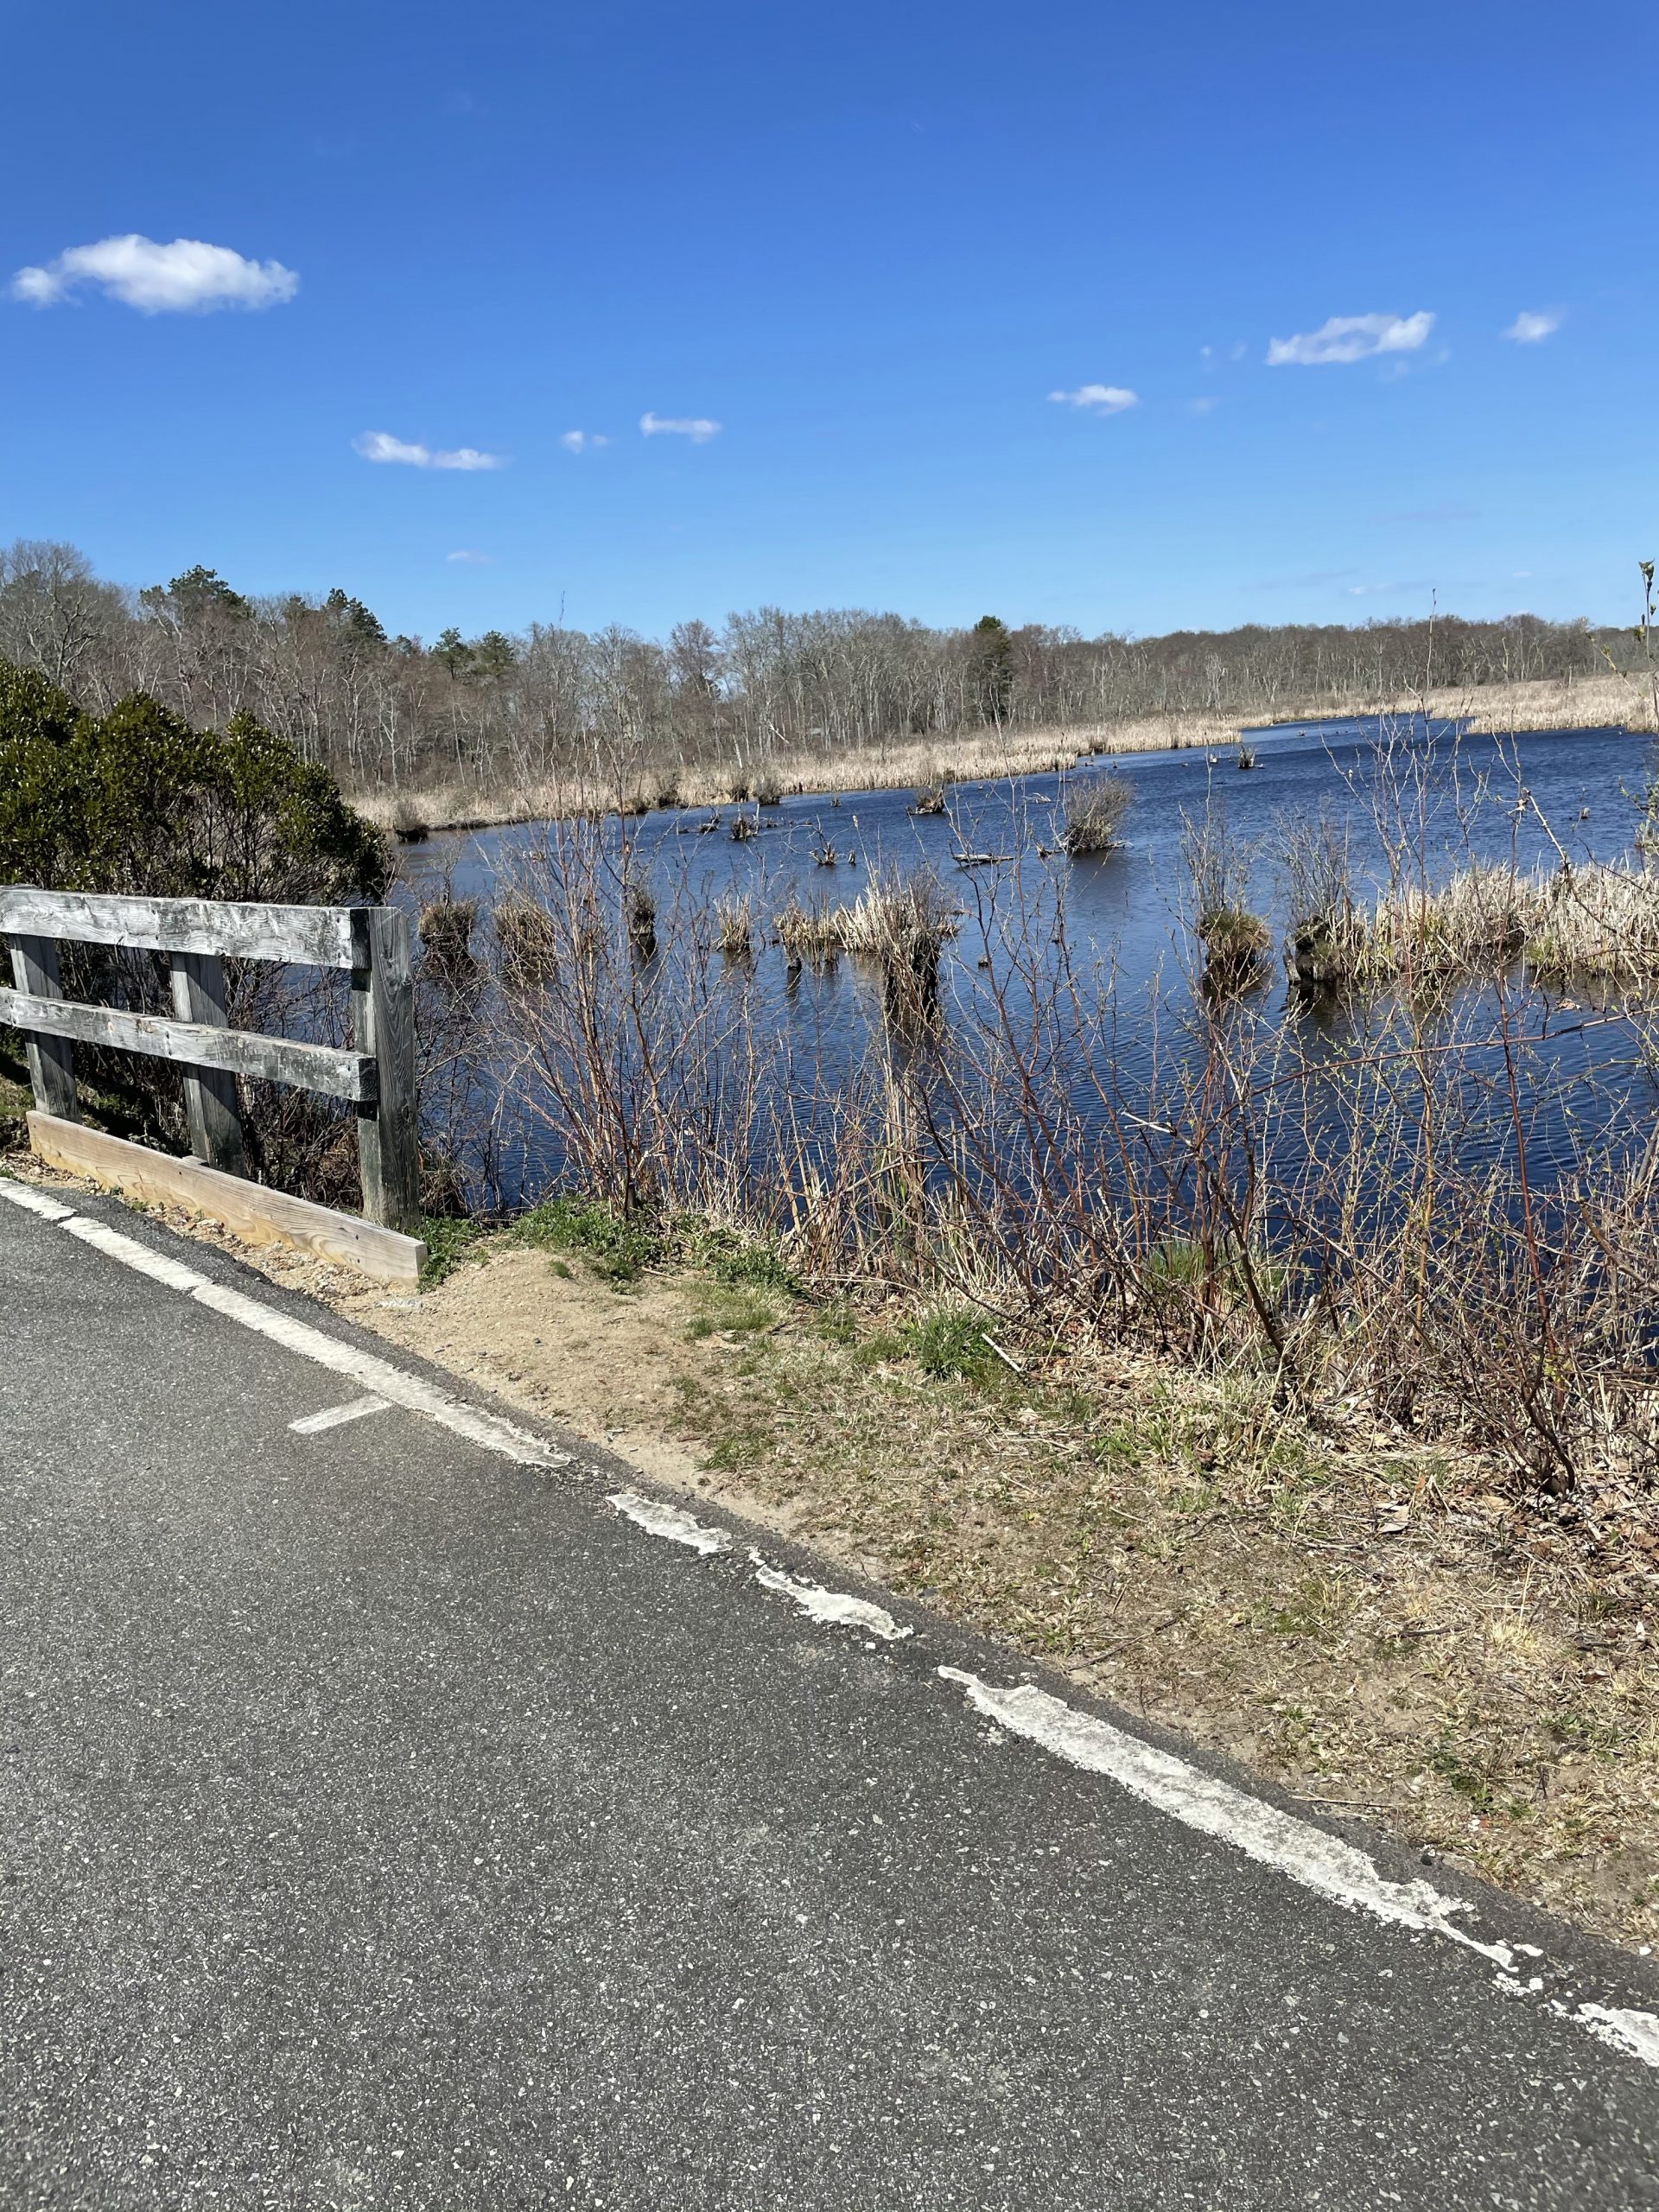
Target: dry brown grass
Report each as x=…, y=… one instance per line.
x=1582, y=702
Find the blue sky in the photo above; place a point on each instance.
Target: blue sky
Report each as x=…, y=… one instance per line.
x=869, y=243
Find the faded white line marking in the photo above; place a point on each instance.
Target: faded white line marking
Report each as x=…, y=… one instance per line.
x=377, y=1377
x=381, y=1377
x=1637, y=2033
x=25, y=1195
x=131, y=1254
x=659, y=1520
x=1322, y=1863
x=337, y=1417
x=834, y=1607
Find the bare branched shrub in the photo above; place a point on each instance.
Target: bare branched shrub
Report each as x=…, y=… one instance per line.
x=1351, y=1201
x=1328, y=945
x=1234, y=940
x=1095, y=808
x=445, y=934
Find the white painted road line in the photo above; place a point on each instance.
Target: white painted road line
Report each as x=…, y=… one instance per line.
x=377, y=1377
x=337, y=1417
x=33, y=1201
x=659, y=1520
x=131, y=1254
x=1331, y=1868
x=833, y=1607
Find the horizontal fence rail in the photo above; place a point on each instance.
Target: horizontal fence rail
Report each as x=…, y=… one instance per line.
x=308, y=936
x=321, y=1068
x=376, y=1076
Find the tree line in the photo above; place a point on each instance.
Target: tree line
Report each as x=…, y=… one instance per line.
x=511, y=711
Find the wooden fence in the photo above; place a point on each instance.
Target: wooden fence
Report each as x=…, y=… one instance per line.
x=376, y=1076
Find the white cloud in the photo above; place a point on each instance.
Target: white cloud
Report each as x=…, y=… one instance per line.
x=471, y=559
x=187, y=276
x=380, y=445
x=1352, y=338
x=697, y=428
x=1098, y=398
x=1205, y=406
x=1532, y=325
x=586, y=441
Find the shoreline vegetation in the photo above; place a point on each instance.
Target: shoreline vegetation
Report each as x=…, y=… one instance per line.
x=930, y=766
x=1207, y=1279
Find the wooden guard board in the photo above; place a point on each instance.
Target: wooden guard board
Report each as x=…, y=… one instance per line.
x=251, y=1210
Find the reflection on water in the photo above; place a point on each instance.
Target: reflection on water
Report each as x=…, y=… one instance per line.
x=1409, y=797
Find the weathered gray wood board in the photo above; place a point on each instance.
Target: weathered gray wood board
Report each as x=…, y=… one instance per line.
x=317, y=937
x=209, y=1093
x=310, y=1067
x=247, y=1210
x=51, y=1059
x=199, y=934
x=382, y=1013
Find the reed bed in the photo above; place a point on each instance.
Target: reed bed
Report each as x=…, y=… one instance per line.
x=891, y=918
x=1094, y=809
x=1358, y=1208
x=1577, y=923
x=734, y=925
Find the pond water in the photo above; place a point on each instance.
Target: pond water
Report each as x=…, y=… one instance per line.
x=1535, y=798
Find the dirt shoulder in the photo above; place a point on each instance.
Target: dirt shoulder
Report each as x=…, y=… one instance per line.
x=1376, y=1626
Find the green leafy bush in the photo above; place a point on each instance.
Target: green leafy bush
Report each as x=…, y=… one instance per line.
x=136, y=801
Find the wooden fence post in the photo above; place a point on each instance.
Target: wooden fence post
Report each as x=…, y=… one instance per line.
x=383, y=1008
x=51, y=1059
x=209, y=1093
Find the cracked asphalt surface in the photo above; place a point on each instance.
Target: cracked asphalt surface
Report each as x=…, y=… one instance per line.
x=385, y=1825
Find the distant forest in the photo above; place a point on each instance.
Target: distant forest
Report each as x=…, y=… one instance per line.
x=514, y=711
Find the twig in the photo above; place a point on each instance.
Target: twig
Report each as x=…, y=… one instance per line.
x=1006, y=1357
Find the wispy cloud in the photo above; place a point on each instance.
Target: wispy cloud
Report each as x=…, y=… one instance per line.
x=186, y=278
x=380, y=445
x=1207, y=405
x=586, y=441
x=1532, y=325
x=1373, y=591
x=1352, y=338
x=698, y=427
x=1098, y=398
x=470, y=557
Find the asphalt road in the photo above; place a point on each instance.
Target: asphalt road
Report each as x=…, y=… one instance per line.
x=384, y=1823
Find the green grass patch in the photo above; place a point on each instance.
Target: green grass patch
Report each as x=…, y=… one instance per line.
x=726, y=1310
x=619, y=1247
x=730, y=1259
x=951, y=1341
x=447, y=1238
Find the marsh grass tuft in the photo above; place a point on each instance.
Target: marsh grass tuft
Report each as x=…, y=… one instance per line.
x=1095, y=808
